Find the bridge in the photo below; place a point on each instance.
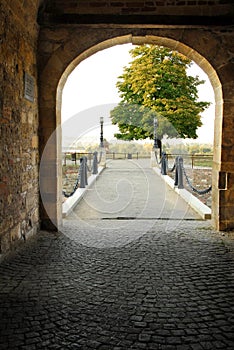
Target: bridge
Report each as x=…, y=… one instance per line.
x=133, y=189
x=127, y=194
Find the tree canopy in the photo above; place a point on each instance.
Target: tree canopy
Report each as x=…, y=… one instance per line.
x=156, y=84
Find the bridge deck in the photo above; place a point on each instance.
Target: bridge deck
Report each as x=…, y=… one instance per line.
x=131, y=189
x=128, y=200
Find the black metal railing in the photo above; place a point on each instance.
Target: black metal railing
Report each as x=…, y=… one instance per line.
x=81, y=180
x=180, y=171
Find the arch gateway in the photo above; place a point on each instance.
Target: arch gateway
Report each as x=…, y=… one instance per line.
x=43, y=41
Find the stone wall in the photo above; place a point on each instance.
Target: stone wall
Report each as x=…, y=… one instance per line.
x=19, y=214
x=142, y=7
x=211, y=48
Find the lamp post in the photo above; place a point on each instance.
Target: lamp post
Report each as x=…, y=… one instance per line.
x=155, y=133
x=101, y=134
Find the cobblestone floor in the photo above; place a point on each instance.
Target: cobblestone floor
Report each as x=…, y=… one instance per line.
x=139, y=287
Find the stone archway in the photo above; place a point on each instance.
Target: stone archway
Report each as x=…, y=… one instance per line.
x=76, y=46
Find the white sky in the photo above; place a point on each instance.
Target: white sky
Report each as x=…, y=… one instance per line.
x=93, y=83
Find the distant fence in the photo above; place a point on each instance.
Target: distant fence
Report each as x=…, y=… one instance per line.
x=123, y=155
x=193, y=160
x=74, y=157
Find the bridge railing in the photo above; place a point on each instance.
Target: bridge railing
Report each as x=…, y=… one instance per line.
x=88, y=163
x=179, y=167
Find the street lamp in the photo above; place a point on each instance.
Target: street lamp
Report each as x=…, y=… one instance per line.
x=155, y=132
x=101, y=134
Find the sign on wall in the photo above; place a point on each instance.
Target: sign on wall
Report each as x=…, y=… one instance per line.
x=29, y=87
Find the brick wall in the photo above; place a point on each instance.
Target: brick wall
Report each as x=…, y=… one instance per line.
x=18, y=123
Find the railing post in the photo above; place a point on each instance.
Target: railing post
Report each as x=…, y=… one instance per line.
x=164, y=164
x=176, y=170
x=73, y=157
x=95, y=163
x=86, y=170
x=180, y=173
x=82, y=172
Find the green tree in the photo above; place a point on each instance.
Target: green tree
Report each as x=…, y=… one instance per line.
x=156, y=84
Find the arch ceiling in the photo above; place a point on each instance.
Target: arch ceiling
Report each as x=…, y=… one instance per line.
x=175, y=12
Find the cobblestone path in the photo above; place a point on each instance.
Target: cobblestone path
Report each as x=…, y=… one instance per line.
x=162, y=290
x=114, y=284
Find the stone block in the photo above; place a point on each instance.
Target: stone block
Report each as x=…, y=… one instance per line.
x=35, y=141
x=230, y=182
x=227, y=197
x=225, y=72
x=15, y=233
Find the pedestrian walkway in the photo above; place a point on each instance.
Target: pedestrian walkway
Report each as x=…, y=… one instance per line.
x=131, y=189
x=126, y=190
x=121, y=275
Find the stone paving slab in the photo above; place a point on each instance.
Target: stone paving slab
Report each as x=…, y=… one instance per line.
x=155, y=289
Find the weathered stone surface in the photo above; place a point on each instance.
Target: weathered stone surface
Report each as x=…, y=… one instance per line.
x=18, y=123
x=174, y=7
x=147, y=289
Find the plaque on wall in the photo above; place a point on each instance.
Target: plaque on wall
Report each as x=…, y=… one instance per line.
x=28, y=87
